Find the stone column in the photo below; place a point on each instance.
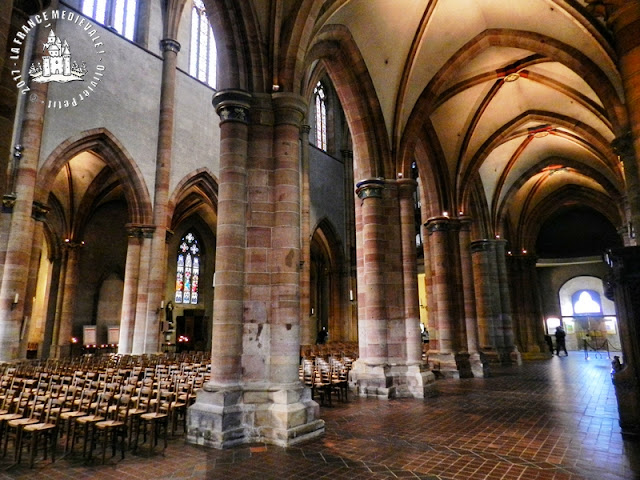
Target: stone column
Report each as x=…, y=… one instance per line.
x=418, y=378
x=625, y=275
x=371, y=371
x=16, y=226
x=67, y=299
x=233, y=108
x=527, y=316
x=131, y=276
x=511, y=353
x=29, y=329
x=156, y=284
x=623, y=19
x=289, y=112
x=351, y=319
x=235, y=407
x=307, y=329
x=406, y=191
x=141, y=325
x=468, y=290
x=485, y=280
x=445, y=344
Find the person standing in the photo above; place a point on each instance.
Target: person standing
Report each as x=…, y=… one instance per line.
x=560, y=341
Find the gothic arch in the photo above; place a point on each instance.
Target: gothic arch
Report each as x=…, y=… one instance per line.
x=196, y=191
x=336, y=49
x=105, y=145
x=327, y=283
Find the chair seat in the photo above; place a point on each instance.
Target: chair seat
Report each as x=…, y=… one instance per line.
x=71, y=414
x=90, y=418
x=23, y=421
x=10, y=416
x=153, y=415
x=109, y=423
x=39, y=427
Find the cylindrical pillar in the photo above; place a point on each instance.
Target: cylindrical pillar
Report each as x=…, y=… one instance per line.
x=233, y=108
x=68, y=300
x=406, y=193
x=307, y=329
x=373, y=326
x=289, y=112
x=623, y=18
x=438, y=235
x=19, y=228
x=158, y=268
x=131, y=272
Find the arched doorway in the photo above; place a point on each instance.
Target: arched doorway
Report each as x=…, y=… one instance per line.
x=327, y=293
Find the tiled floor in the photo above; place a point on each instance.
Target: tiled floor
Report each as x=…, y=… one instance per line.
x=554, y=419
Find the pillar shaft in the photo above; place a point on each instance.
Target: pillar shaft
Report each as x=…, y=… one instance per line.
x=373, y=322
x=233, y=108
x=158, y=268
x=407, y=189
x=623, y=18
x=438, y=239
x=307, y=329
x=18, y=230
x=67, y=300
x=131, y=275
x=285, y=253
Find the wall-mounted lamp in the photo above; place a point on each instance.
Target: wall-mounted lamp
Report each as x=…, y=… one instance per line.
x=16, y=298
x=351, y=295
x=445, y=214
x=312, y=311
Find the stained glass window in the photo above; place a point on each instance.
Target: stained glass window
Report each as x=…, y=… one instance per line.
x=202, y=61
x=321, y=116
x=187, y=270
x=117, y=14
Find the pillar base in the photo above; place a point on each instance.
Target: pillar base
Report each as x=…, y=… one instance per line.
x=477, y=368
x=224, y=417
x=391, y=381
x=627, y=394
x=445, y=365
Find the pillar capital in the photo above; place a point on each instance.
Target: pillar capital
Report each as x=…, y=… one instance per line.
x=370, y=188
x=438, y=224
x=305, y=130
x=169, y=45
x=465, y=223
x=483, y=245
x=290, y=108
x=232, y=105
x=623, y=147
x=8, y=202
x=406, y=186
x=39, y=211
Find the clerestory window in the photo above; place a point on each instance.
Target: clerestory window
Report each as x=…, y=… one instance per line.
x=120, y=15
x=202, y=61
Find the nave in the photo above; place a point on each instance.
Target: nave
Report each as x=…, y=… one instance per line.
x=554, y=419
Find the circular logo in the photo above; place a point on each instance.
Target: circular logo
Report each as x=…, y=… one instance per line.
x=78, y=71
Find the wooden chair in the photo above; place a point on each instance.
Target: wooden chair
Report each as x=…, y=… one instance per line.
x=46, y=428
x=114, y=426
x=157, y=420
x=97, y=413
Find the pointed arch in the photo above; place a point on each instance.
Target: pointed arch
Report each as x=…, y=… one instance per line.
x=197, y=191
x=105, y=145
x=242, y=59
x=339, y=55
x=327, y=289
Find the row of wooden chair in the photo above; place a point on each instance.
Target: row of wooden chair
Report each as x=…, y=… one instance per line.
x=326, y=377
x=108, y=407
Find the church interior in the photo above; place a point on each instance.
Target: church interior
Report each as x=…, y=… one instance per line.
x=252, y=222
